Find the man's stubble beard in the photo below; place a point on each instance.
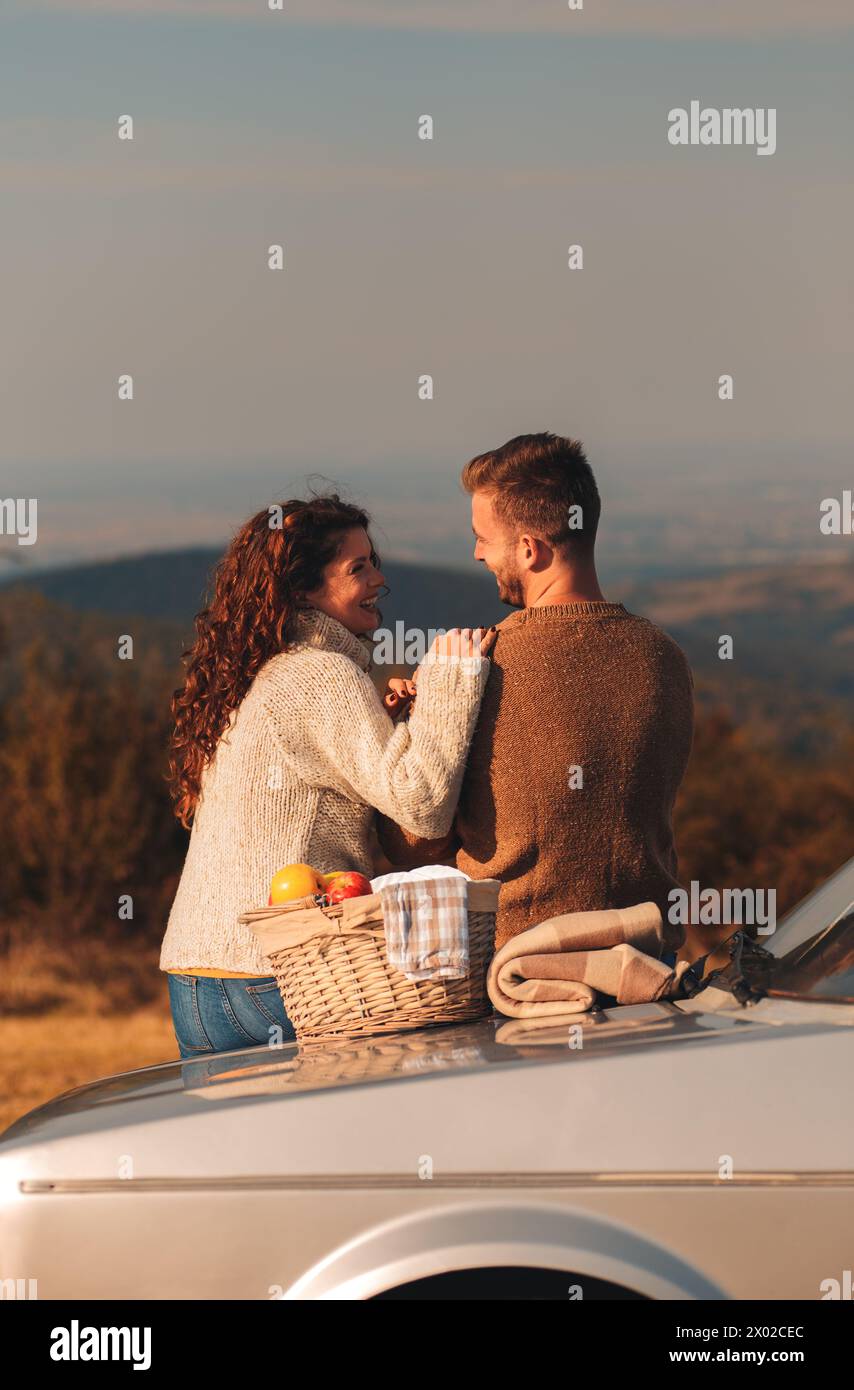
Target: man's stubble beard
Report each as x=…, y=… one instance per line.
x=510, y=587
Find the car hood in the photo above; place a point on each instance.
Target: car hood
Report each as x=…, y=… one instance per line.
x=490, y=1043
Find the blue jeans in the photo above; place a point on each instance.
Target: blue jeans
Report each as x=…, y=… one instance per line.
x=215, y=1015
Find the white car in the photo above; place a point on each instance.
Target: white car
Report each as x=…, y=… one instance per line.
x=694, y=1150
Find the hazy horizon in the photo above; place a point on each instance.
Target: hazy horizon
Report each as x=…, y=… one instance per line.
x=717, y=517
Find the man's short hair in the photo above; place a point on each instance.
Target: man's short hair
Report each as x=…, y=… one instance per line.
x=533, y=480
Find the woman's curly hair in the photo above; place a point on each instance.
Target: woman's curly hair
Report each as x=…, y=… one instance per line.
x=276, y=558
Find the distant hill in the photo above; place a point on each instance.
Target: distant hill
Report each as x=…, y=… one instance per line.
x=792, y=673
x=171, y=585
x=791, y=679
x=793, y=625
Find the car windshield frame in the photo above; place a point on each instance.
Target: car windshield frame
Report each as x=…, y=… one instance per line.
x=811, y=947
x=819, y=910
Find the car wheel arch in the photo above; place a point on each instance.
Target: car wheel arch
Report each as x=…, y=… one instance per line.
x=464, y=1237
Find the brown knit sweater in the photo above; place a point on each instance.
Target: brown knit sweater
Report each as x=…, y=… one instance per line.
x=572, y=685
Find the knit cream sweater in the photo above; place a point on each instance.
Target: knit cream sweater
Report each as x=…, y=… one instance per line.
x=295, y=778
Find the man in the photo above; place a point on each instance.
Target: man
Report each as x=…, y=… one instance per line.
x=586, y=723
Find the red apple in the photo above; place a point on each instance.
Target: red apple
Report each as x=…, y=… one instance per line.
x=351, y=885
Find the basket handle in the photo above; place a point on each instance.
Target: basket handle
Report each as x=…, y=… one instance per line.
x=261, y=914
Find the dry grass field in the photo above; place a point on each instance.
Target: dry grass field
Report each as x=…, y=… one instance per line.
x=64, y=1023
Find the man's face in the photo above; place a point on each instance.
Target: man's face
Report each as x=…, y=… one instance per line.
x=495, y=547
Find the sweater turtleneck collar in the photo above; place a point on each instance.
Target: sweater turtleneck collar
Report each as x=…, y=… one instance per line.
x=316, y=629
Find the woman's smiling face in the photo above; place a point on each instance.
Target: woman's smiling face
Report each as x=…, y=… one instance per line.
x=351, y=584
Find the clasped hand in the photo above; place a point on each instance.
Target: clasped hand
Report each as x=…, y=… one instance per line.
x=458, y=642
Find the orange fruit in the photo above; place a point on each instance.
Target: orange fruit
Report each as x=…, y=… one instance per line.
x=294, y=881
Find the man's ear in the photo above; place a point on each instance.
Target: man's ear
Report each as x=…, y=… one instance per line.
x=527, y=547
x=534, y=551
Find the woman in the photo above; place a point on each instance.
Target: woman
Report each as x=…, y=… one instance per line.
x=283, y=750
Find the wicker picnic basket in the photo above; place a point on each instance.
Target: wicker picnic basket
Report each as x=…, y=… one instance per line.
x=334, y=975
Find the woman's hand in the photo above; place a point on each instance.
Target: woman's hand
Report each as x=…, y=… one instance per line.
x=399, y=696
x=462, y=642
x=400, y=693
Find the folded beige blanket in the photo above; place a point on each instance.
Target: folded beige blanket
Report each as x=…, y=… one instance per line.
x=559, y=966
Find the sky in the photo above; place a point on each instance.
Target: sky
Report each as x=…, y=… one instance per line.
x=403, y=257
